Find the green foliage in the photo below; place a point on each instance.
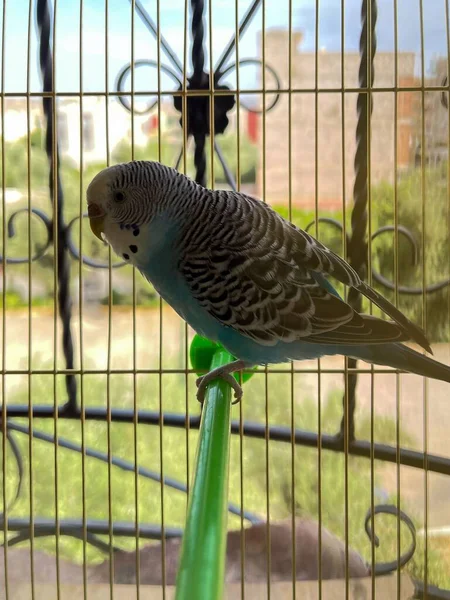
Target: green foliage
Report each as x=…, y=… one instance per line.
x=166, y=152
x=248, y=158
x=14, y=300
x=37, y=138
x=144, y=297
x=428, y=219
x=16, y=165
x=116, y=298
x=266, y=469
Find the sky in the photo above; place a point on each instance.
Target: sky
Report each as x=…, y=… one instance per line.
x=119, y=39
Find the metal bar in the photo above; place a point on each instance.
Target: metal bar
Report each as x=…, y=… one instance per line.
x=396, y=292
x=161, y=335
x=3, y=276
x=236, y=37
x=423, y=150
x=84, y=478
x=202, y=562
x=409, y=458
x=46, y=526
x=266, y=379
x=30, y=296
x=185, y=146
x=319, y=365
x=109, y=326
x=227, y=172
x=228, y=91
x=236, y=186
x=154, y=29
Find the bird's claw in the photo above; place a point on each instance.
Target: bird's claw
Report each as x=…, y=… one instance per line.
x=203, y=382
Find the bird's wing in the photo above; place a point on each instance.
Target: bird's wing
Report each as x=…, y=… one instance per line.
x=258, y=277
x=313, y=255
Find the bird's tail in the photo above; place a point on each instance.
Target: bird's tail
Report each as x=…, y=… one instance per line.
x=401, y=357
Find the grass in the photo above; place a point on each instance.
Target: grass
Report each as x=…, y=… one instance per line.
x=177, y=447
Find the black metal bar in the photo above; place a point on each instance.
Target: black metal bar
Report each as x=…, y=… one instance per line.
x=226, y=169
x=148, y=22
x=198, y=63
x=357, y=247
x=68, y=526
x=432, y=592
x=410, y=458
x=88, y=538
x=51, y=148
x=232, y=43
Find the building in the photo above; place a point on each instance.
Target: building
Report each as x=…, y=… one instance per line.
x=435, y=129
x=334, y=118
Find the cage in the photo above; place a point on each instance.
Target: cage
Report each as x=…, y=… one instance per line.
x=329, y=479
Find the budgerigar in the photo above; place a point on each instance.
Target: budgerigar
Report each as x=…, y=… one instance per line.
x=243, y=276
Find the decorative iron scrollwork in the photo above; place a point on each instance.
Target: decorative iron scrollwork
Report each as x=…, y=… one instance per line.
x=12, y=232
x=389, y=509
x=384, y=281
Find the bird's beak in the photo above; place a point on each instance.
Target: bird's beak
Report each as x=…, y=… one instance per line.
x=96, y=220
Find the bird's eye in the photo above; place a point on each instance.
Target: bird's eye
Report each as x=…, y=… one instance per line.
x=119, y=197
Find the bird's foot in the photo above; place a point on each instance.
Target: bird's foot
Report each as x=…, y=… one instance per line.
x=224, y=373
x=203, y=382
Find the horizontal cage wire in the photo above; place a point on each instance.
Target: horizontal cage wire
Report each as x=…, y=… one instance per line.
x=329, y=478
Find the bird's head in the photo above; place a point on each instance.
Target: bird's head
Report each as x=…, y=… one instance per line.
x=128, y=194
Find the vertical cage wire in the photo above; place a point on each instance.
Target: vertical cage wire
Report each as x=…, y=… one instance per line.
x=81, y=307
x=292, y=392
x=184, y=150
x=56, y=198
x=447, y=32
x=372, y=10
x=345, y=429
x=398, y=379
x=316, y=217
x=109, y=326
x=4, y=248
x=30, y=341
x=240, y=407
x=161, y=413
x=134, y=367
x=396, y=294
x=424, y=282
x=266, y=374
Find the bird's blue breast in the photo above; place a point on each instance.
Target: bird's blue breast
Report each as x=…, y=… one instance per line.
x=159, y=264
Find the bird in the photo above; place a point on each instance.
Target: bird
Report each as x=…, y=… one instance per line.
x=243, y=276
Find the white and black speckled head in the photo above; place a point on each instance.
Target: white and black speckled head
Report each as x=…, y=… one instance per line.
x=130, y=193
x=123, y=199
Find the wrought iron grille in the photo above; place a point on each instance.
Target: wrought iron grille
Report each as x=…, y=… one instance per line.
x=204, y=100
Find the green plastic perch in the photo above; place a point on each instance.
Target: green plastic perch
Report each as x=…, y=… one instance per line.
x=203, y=550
